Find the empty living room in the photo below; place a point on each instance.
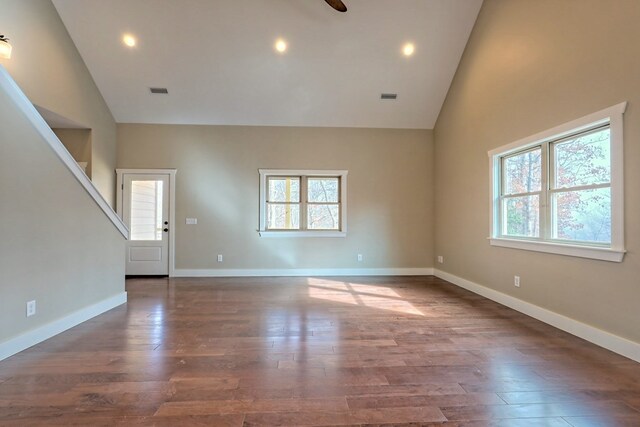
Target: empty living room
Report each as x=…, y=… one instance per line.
x=320, y=213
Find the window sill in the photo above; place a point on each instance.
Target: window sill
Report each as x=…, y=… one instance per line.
x=592, y=252
x=302, y=233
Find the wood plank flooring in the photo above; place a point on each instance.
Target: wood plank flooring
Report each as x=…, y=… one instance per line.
x=412, y=351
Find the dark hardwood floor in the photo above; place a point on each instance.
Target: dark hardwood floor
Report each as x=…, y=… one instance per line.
x=316, y=351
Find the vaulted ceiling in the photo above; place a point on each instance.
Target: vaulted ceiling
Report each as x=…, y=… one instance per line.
x=217, y=59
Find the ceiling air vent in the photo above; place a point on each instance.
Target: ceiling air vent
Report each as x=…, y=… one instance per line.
x=162, y=90
x=388, y=96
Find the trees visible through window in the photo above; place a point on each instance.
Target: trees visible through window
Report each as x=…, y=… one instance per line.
x=522, y=188
x=567, y=182
x=323, y=203
x=283, y=204
x=561, y=191
x=303, y=201
x=581, y=187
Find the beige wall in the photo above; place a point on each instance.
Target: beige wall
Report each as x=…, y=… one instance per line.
x=57, y=245
x=78, y=143
x=390, y=192
x=48, y=68
x=530, y=65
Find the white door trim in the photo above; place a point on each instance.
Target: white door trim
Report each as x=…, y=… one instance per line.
x=172, y=205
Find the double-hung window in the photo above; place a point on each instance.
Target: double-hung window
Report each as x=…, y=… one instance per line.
x=303, y=203
x=561, y=191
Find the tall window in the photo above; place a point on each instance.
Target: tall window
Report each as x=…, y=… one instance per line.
x=561, y=191
x=302, y=203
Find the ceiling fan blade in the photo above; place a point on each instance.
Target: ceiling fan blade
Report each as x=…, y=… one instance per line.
x=337, y=5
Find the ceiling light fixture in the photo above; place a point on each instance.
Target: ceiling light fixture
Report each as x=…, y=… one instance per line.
x=5, y=48
x=408, y=49
x=281, y=45
x=129, y=40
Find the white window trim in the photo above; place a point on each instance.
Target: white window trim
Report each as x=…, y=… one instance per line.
x=265, y=173
x=614, y=252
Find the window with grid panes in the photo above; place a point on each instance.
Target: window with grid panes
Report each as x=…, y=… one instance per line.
x=562, y=192
x=302, y=203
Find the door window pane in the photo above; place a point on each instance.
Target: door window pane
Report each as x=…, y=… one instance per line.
x=323, y=217
x=583, y=215
x=323, y=190
x=523, y=172
x=146, y=210
x=522, y=216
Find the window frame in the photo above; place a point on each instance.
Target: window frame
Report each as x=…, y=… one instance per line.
x=303, y=174
x=613, y=117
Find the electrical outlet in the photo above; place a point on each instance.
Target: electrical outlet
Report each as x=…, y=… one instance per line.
x=516, y=281
x=359, y=257
x=219, y=257
x=440, y=259
x=31, y=308
x=192, y=221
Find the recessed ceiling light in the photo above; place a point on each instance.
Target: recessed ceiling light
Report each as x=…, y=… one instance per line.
x=129, y=40
x=281, y=45
x=408, y=49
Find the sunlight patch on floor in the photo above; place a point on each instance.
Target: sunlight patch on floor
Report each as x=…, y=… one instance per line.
x=379, y=297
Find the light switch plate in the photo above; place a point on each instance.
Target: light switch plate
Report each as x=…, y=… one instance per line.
x=192, y=221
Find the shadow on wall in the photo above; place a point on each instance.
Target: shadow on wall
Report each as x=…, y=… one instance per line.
x=74, y=136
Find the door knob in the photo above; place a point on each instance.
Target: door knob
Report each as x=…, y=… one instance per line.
x=166, y=223
x=165, y=230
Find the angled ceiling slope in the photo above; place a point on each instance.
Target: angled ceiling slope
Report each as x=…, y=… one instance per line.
x=217, y=59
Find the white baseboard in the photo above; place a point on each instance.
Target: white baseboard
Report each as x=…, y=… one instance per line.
x=303, y=272
x=44, y=332
x=592, y=334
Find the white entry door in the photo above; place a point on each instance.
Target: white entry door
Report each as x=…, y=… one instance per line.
x=145, y=210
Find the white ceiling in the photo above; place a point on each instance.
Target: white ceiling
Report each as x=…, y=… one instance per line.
x=216, y=57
